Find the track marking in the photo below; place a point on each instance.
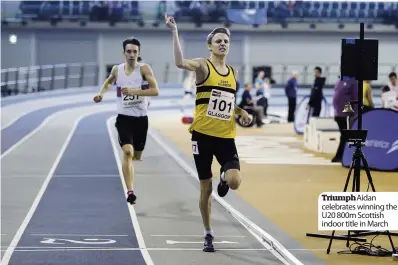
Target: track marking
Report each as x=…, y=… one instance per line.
x=263, y=237
x=42, y=103
x=73, y=235
x=38, y=128
x=150, y=249
x=7, y=255
x=201, y=236
x=133, y=215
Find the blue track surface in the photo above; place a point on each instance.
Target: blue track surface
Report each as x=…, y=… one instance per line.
x=24, y=125
x=83, y=194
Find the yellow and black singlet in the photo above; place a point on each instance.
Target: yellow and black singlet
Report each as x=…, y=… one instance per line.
x=215, y=104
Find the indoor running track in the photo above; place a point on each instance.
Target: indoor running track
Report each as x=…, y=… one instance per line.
x=63, y=198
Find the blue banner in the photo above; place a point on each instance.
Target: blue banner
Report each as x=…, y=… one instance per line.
x=381, y=146
x=247, y=16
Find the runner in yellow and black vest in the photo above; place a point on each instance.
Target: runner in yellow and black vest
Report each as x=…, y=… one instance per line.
x=213, y=129
x=215, y=104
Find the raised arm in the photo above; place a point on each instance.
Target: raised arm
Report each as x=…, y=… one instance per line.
x=180, y=61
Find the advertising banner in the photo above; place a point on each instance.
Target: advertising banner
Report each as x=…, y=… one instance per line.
x=381, y=146
x=303, y=114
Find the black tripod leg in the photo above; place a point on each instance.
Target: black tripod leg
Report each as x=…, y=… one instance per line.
x=348, y=238
x=357, y=175
x=392, y=243
x=330, y=242
x=366, y=166
x=348, y=176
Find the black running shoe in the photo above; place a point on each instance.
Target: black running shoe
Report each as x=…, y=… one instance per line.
x=131, y=197
x=222, y=188
x=208, y=245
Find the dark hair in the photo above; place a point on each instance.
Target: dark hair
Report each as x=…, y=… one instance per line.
x=215, y=31
x=385, y=89
x=392, y=74
x=318, y=69
x=133, y=41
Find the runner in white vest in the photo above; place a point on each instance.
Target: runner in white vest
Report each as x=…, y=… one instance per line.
x=135, y=82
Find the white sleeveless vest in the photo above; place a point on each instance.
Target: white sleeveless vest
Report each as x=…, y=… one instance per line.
x=126, y=104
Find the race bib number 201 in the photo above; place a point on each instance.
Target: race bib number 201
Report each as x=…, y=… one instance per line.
x=131, y=100
x=221, y=105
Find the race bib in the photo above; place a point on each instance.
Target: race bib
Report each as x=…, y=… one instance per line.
x=130, y=101
x=221, y=105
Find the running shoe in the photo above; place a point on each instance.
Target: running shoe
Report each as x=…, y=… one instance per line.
x=131, y=197
x=208, y=245
x=222, y=188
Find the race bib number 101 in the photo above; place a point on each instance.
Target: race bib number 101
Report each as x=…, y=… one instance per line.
x=221, y=105
x=131, y=100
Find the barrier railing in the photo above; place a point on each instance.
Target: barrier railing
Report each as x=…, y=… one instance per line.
x=62, y=76
x=47, y=77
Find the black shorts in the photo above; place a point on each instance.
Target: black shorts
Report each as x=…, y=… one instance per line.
x=205, y=146
x=132, y=130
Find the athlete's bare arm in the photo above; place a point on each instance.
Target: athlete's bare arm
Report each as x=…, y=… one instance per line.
x=147, y=74
x=108, y=82
x=197, y=65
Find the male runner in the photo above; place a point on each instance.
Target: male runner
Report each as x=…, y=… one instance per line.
x=213, y=129
x=135, y=82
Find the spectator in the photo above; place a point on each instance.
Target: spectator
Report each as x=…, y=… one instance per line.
x=249, y=105
x=197, y=10
x=393, y=84
x=344, y=92
x=291, y=94
x=317, y=92
x=389, y=96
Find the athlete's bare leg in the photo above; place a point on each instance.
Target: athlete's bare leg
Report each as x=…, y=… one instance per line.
x=206, y=188
x=233, y=178
x=127, y=166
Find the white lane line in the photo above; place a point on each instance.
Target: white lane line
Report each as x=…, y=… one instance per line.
x=38, y=128
x=87, y=112
x=14, y=112
x=75, y=235
x=137, y=249
x=201, y=236
x=133, y=215
x=263, y=237
x=28, y=217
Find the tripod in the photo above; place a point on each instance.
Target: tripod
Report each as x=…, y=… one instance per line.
x=356, y=138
